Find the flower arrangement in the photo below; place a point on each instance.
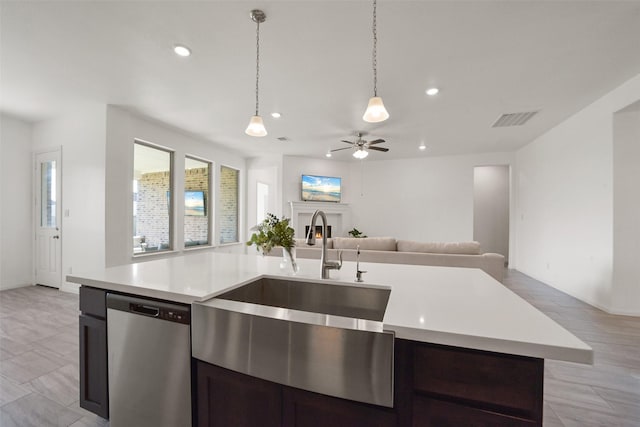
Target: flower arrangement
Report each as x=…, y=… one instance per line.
x=273, y=232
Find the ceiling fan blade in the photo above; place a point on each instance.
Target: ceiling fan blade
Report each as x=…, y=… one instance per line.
x=376, y=141
x=379, y=149
x=348, y=142
x=338, y=149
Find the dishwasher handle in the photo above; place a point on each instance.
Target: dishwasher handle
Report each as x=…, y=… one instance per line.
x=145, y=310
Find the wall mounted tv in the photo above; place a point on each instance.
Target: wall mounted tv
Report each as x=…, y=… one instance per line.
x=194, y=203
x=321, y=188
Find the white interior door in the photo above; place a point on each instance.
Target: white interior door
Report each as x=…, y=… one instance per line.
x=48, y=247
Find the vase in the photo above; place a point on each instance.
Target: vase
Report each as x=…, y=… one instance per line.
x=289, y=260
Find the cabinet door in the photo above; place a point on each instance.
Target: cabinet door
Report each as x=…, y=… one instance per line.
x=307, y=409
x=227, y=398
x=94, y=379
x=436, y=413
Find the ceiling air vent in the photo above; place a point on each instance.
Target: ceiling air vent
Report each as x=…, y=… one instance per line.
x=513, y=119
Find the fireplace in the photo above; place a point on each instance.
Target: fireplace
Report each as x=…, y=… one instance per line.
x=318, y=231
x=338, y=215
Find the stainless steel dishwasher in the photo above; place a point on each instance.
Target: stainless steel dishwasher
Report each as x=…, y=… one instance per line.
x=149, y=362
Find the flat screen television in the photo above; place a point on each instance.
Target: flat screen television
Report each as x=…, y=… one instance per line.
x=321, y=188
x=194, y=203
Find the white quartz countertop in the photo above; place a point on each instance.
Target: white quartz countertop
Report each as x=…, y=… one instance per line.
x=462, y=307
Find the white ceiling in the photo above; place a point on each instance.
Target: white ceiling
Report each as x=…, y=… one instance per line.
x=487, y=58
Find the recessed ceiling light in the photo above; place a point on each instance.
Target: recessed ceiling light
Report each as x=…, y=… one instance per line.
x=181, y=50
x=276, y=115
x=328, y=154
x=422, y=146
x=432, y=91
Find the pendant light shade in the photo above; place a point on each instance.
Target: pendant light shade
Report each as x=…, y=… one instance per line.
x=256, y=125
x=375, y=111
x=360, y=153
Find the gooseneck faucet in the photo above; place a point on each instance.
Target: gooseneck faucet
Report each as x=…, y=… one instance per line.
x=358, y=271
x=325, y=265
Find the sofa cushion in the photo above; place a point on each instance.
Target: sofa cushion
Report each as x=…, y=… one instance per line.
x=365, y=243
x=460, y=248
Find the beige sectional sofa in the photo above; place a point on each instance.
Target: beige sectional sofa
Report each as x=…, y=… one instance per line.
x=390, y=250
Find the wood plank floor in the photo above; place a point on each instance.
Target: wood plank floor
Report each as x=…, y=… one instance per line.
x=39, y=361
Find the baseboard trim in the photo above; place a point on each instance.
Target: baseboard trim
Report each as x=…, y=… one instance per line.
x=22, y=285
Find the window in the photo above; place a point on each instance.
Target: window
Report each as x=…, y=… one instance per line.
x=197, y=209
x=48, y=197
x=152, y=208
x=228, y=200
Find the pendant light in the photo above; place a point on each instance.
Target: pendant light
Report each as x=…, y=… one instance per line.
x=256, y=125
x=375, y=110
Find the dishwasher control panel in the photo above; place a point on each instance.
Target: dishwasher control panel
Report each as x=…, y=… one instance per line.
x=172, y=312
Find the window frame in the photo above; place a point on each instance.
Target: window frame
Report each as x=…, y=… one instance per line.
x=211, y=205
x=171, y=200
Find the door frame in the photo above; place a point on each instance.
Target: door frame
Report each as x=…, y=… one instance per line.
x=36, y=212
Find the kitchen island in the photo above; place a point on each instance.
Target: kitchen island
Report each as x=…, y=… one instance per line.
x=465, y=348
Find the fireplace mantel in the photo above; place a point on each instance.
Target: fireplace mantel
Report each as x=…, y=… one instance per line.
x=338, y=215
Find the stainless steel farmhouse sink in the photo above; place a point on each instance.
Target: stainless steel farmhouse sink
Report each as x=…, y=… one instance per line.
x=314, y=335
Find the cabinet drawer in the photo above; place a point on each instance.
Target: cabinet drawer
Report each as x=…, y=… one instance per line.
x=93, y=302
x=306, y=409
x=495, y=379
x=435, y=413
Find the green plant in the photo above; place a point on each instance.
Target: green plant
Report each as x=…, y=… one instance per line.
x=273, y=232
x=356, y=233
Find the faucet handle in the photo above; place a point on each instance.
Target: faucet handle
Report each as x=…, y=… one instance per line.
x=339, y=263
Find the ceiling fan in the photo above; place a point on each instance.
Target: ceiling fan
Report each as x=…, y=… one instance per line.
x=361, y=146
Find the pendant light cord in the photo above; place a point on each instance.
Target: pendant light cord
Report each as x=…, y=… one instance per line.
x=257, y=61
x=374, y=59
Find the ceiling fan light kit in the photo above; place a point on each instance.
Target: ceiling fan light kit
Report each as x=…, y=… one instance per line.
x=361, y=147
x=375, y=111
x=256, y=125
x=360, y=153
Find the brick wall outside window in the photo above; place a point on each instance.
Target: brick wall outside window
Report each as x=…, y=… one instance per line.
x=229, y=180
x=196, y=228
x=153, y=209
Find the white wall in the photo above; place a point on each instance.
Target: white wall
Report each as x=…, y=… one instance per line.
x=266, y=170
x=426, y=199
x=294, y=167
x=121, y=131
x=626, y=212
x=564, y=207
x=491, y=208
x=16, y=207
x=81, y=134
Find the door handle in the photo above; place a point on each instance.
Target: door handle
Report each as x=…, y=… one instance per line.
x=56, y=237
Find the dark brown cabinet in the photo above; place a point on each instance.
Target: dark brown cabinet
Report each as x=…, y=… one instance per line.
x=434, y=385
x=305, y=409
x=227, y=398
x=452, y=386
x=94, y=376
x=439, y=413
